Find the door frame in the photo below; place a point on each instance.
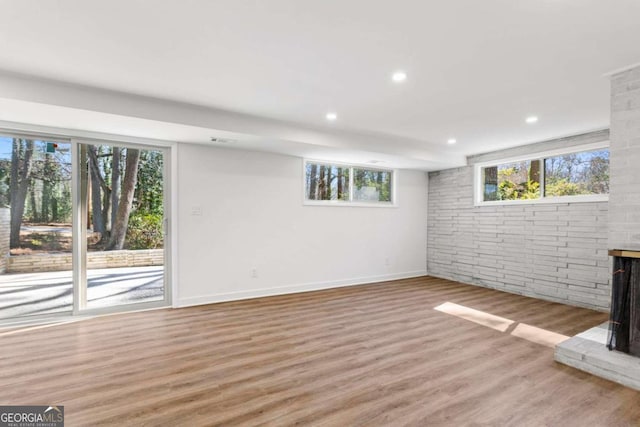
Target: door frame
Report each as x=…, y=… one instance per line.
x=76, y=138
x=80, y=226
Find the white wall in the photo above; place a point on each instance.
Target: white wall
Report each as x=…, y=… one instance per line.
x=253, y=218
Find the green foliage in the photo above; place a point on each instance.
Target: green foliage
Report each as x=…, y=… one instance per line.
x=5, y=167
x=378, y=180
x=562, y=187
x=62, y=209
x=140, y=198
x=149, y=187
x=509, y=189
x=578, y=173
x=144, y=231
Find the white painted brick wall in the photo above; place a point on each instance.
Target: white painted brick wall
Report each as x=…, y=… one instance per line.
x=556, y=252
x=624, y=199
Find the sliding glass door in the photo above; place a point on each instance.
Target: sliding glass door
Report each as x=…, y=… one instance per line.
x=82, y=226
x=36, y=235
x=121, y=256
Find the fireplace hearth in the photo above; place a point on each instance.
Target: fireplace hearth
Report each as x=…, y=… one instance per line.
x=624, y=319
x=589, y=351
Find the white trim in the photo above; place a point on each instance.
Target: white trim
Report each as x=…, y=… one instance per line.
x=81, y=286
x=45, y=137
x=350, y=203
x=369, y=166
x=173, y=223
x=69, y=134
x=79, y=203
x=283, y=290
x=21, y=324
x=588, y=198
x=477, y=177
x=546, y=153
x=123, y=308
x=569, y=139
x=621, y=70
x=345, y=204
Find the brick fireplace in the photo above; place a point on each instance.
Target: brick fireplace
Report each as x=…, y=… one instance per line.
x=624, y=211
x=624, y=321
x=589, y=350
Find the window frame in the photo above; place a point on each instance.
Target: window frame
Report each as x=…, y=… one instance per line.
x=478, y=193
x=349, y=203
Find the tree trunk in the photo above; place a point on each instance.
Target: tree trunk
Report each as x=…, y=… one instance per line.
x=313, y=182
x=106, y=205
x=534, y=172
x=45, y=205
x=119, y=231
x=47, y=189
x=115, y=185
x=322, y=184
x=54, y=210
x=97, y=220
x=34, y=207
x=100, y=201
x=20, y=171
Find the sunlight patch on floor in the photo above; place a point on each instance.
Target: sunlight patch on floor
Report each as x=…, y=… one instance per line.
x=476, y=316
x=18, y=328
x=538, y=335
x=521, y=330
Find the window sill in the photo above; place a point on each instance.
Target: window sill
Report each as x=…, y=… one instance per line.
x=549, y=200
x=336, y=203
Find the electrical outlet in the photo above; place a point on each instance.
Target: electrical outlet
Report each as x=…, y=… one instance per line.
x=254, y=273
x=387, y=262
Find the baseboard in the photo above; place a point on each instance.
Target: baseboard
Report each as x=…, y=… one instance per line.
x=526, y=292
x=308, y=287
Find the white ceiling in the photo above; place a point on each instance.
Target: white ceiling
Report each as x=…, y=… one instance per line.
x=475, y=69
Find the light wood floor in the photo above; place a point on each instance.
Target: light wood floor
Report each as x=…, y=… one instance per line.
x=367, y=355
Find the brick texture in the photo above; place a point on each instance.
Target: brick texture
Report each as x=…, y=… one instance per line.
x=106, y=259
x=624, y=198
x=556, y=252
x=5, y=231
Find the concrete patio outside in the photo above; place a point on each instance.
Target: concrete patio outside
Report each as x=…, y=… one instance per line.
x=26, y=294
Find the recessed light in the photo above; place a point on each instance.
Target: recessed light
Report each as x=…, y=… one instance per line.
x=531, y=119
x=399, y=76
x=451, y=141
x=331, y=117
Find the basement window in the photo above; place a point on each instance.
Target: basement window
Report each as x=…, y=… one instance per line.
x=347, y=185
x=579, y=174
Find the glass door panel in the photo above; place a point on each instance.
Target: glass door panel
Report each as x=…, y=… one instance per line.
x=36, y=229
x=125, y=226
